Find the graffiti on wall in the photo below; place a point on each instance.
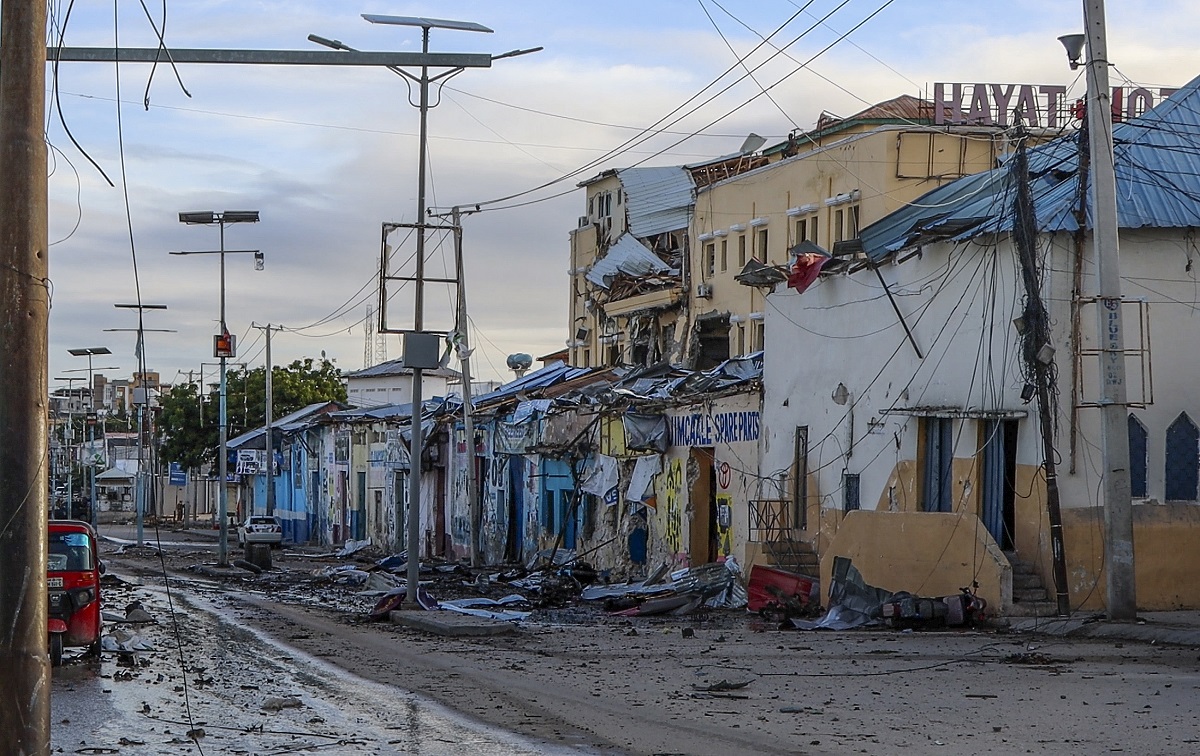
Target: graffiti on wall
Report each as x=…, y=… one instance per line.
x=672, y=528
x=724, y=524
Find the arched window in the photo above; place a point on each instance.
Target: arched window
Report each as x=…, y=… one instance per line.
x=1138, y=461
x=1183, y=459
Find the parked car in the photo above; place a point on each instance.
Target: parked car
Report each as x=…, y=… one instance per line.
x=261, y=529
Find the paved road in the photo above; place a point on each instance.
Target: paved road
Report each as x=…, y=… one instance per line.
x=206, y=679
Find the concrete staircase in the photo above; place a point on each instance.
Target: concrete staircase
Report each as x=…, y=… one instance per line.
x=793, y=556
x=1030, y=597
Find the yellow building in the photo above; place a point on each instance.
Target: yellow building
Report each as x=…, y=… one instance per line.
x=655, y=257
x=822, y=187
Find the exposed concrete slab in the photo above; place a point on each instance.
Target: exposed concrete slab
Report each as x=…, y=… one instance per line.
x=450, y=623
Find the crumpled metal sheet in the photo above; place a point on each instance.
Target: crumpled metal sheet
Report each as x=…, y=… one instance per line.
x=852, y=603
x=714, y=585
x=498, y=610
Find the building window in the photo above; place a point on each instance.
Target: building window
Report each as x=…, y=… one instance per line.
x=741, y=339
x=1138, y=460
x=1183, y=448
x=587, y=358
x=801, y=230
x=724, y=255
x=852, y=222
x=850, y=492
x=710, y=260
x=757, y=336
x=812, y=230
x=838, y=229
x=741, y=251
x=760, y=251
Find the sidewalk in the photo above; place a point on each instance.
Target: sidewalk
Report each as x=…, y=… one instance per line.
x=1181, y=628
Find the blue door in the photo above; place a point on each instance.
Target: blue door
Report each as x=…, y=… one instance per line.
x=558, y=496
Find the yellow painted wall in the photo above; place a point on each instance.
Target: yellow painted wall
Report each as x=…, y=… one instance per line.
x=935, y=554
x=1165, y=539
x=925, y=553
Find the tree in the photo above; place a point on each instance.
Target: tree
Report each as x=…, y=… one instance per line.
x=190, y=427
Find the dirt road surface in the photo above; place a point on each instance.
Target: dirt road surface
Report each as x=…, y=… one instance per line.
x=576, y=679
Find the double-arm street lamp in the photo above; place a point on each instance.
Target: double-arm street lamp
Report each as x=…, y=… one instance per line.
x=142, y=401
x=223, y=348
x=91, y=352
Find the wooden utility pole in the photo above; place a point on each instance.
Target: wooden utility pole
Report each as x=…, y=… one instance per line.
x=1035, y=338
x=24, y=273
x=1114, y=410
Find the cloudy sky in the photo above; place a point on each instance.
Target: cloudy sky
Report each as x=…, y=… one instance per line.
x=327, y=155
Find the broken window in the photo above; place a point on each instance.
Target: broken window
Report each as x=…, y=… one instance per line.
x=724, y=255
x=850, y=492
x=710, y=260
x=760, y=251
x=712, y=342
x=741, y=251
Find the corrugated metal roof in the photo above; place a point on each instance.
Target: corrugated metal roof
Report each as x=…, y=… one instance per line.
x=288, y=422
x=1157, y=172
x=629, y=256
x=657, y=200
x=397, y=367
x=555, y=372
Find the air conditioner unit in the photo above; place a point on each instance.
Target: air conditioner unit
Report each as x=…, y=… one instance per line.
x=704, y=291
x=582, y=333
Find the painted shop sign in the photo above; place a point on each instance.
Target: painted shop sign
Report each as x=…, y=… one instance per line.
x=1038, y=104
x=699, y=429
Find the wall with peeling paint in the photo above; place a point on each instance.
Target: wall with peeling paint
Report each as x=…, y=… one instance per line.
x=970, y=373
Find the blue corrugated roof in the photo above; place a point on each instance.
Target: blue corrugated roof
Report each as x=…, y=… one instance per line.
x=1158, y=185
x=555, y=372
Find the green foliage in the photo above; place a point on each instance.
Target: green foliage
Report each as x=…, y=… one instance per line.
x=190, y=427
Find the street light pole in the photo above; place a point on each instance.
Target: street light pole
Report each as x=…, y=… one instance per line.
x=90, y=352
x=224, y=348
x=69, y=437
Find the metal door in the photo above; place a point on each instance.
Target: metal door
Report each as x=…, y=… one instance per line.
x=998, y=463
x=939, y=455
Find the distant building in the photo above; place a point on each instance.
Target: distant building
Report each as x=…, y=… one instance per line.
x=391, y=383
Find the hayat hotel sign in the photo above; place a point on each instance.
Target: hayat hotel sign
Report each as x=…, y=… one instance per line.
x=1039, y=104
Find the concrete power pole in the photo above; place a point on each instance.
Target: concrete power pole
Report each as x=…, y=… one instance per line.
x=463, y=346
x=268, y=443
x=24, y=661
x=1114, y=412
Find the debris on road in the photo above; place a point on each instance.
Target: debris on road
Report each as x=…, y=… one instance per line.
x=279, y=703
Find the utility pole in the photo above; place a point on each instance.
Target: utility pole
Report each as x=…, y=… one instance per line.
x=1035, y=341
x=139, y=351
x=268, y=444
x=1114, y=413
x=463, y=346
x=24, y=660
x=24, y=277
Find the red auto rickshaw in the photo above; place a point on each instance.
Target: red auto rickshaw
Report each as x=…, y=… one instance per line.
x=73, y=572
